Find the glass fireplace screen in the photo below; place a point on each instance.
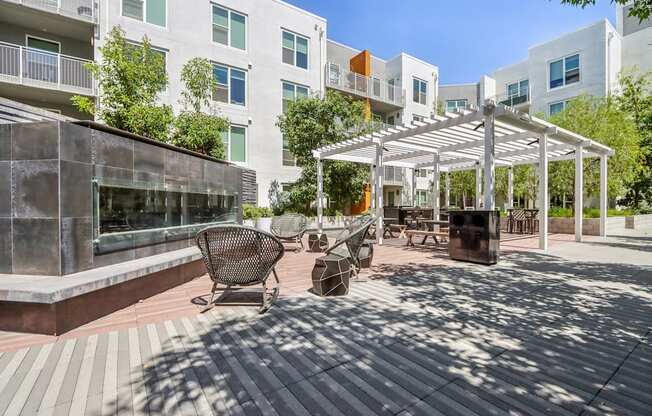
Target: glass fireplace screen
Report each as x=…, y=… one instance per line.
x=130, y=215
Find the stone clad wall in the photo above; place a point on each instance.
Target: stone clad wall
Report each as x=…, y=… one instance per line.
x=46, y=172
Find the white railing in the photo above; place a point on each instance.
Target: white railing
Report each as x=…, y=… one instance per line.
x=38, y=68
x=369, y=87
x=78, y=9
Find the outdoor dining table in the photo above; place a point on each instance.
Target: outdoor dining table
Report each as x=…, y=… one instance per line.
x=431, y=223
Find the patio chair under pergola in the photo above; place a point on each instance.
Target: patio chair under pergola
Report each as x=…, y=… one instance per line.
x=473, y=139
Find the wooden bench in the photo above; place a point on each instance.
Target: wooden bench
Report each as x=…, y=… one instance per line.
x=397, y=227
x=434, y=234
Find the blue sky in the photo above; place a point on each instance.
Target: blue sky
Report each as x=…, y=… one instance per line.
x=465, y=38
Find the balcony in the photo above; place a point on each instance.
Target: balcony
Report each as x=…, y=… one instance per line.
x=362, y=86
x=40, y=69
x=76, y=9
x=515, y=99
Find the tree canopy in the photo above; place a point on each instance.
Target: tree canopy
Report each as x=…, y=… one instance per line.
x=131, y=76
x=640, y=8
x=313, y=122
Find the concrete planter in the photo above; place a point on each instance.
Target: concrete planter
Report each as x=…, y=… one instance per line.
x=638, y=221
x=249, y=223
x=264, y=223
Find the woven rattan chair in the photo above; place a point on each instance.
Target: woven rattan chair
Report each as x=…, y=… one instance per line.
x=240, y=256
x=331, y=274
x=290, y=228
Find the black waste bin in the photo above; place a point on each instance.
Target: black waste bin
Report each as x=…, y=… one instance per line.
x=474, y=236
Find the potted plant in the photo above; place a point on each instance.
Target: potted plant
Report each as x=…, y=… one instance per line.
x=264, y=219
x=249, y=215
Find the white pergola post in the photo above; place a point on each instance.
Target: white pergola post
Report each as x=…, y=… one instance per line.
x=435, y=187
x=489, y=157
x=478, y=185
x=544, y=200
x=579, y=192
x=447, y=194
x=510, y=187
x=414, y=187
x=372, y=179
x=379, y=192
x=320, y=197
x=603, y=195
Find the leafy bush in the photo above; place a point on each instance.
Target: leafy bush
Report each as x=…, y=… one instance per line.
x=252, y=212
x=558, y=212
x=201, y=133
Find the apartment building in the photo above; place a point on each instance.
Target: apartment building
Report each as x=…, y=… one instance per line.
x=586, y=61
x=263, y=57
x=399, y=90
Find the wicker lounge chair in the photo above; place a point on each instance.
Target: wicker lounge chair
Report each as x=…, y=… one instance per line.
x=290, y=228
x=331, y=274
x=240, y=256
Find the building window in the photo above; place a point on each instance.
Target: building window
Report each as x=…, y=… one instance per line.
x=454, y=105
x=235, y=141
x=558, y=107
x=231, y=85
x=421, y=197
x=390, y=120
x=150, y=11
x=229, y=28
x=565, y=71
x=421, y=173
x=295, y=50
x=419, y=90
x=416, y=117
x=518, y=89
x=291, y=92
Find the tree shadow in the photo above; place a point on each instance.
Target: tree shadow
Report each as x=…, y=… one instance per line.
x=535, y=332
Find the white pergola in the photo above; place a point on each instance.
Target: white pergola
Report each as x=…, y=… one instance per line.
x=479, y=139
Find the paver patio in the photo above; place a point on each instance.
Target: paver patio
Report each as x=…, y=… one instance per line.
x=566, y=332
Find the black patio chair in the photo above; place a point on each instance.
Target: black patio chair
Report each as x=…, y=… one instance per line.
x=290, y=228
x=240, y=256
x=331, y=274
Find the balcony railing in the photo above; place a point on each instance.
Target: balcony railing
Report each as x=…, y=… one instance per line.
x=515, y=99
x=368, y=87
x=33, y=67
x=77, y=9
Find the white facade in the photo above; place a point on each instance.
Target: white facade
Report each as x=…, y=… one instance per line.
x=594, y=54
x=637, y=40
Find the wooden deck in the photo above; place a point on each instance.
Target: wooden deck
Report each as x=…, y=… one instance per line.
x=537, y=334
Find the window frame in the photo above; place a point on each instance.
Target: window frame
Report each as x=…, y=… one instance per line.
x=564, y=104
x=295, y=50
x=294, y=89
x=457, y=101
x=143, y=17
x=28, y=37
x=563, y=70
x=246, y=146
x=228, y=28
x=421, y=82
x=518, y=87
x=229, y=85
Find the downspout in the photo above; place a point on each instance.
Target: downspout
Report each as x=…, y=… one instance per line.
x=610, y=36
x=322, y=69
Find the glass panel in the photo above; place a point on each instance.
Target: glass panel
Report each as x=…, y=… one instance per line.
x=221, y=94
x=572, y=76
x=238, y=87
x=523, y=87
x=43, y=45
x=220, y=17
x=423, y=87
x=376, y=89
x=128, y=216
x=512, y=89
x=288, y=40
x=302, y=45
x=220, y=35
x=238, y=31
x=133, y=9
x=415, y=90
x=572, y=62
x=302, y=92
x=221, y=74
x=238, y=144
x=288, y=91
x=556, y=74
x=288, y=56
x=302, y=60
x=556, y=108
x=155, y=13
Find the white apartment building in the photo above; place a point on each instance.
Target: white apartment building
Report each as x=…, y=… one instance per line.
x=265, y=52
x=586, y=61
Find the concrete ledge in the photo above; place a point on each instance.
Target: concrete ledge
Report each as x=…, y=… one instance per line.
x=58, y=304
x=53, y=289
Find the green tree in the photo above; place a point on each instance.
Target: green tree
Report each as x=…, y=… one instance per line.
x=636, y=100
x=130, y=79
x=462, y=186
x=194, y=129
x=603, y=120
x=313, y=122
x=640, y=8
